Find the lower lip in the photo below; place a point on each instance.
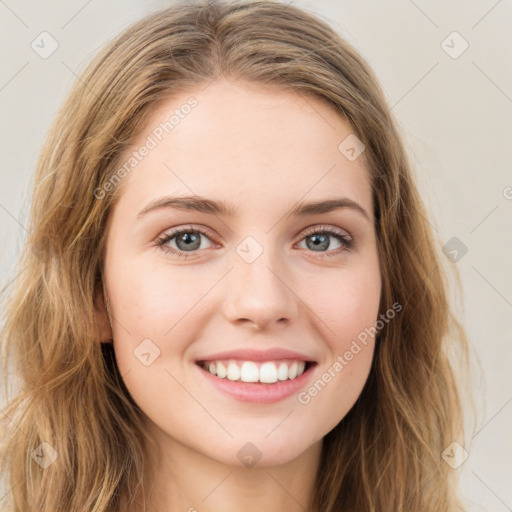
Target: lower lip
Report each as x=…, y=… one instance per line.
x=257, y=392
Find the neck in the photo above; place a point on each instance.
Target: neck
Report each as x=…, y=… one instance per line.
x=182, y=479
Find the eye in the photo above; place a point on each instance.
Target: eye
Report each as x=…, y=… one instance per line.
x=184, y=241
x=318, y=240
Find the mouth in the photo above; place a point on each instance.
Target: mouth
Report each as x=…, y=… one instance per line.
x=255, y=375
x=269, y=373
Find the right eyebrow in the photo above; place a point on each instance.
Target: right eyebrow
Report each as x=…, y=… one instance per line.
x=190, y=203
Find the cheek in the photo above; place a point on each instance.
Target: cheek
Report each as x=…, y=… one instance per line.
x=151, y=301
x=139, y=307
x=348, y=310
x=347, y=303
x=155, y=311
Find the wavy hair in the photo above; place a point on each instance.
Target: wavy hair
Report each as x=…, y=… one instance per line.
x=386, y=453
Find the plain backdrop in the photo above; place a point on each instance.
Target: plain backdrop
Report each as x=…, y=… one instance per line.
x=446, y=71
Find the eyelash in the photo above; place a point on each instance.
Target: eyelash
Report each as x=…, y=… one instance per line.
x=346, y=241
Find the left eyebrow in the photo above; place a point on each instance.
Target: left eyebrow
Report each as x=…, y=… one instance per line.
x=213, y=207
x=314, y=208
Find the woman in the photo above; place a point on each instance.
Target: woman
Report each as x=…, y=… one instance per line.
x=231, y=295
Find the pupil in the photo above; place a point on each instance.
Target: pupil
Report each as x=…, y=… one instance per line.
x=319, y=240
x=189, y=239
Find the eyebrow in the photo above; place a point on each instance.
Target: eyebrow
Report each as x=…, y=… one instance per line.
x=218, y=208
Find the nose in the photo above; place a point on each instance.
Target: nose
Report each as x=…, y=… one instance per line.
x=260, y=294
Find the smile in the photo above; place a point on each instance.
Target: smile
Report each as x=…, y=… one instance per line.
x=267, y=372
x=257, y=381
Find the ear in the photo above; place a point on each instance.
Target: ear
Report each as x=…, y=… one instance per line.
x=102, y=319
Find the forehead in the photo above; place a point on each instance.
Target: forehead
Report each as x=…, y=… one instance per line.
x=237, y=141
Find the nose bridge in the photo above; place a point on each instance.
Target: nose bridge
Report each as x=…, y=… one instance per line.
x=258, y=288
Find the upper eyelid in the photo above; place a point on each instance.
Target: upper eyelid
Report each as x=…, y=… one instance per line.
x=323, y=227
x=185, y=229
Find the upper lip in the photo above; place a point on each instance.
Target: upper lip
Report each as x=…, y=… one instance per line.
x=248, y=354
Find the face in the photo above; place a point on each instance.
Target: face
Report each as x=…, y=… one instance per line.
x=243, y=278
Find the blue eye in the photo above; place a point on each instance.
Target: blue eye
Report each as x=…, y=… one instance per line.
x=318, y=237
x=188, y=241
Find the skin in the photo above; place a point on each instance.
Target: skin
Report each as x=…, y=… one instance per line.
x=262, y=150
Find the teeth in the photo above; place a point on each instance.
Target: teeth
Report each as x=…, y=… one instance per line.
x=282, y=373
x=233, y=371
x=250, y=371
x=268, y=373
x=222, y=371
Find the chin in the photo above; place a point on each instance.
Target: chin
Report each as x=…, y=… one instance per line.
x=261, y=453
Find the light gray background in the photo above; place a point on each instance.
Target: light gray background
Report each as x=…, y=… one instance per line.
x=455, y=114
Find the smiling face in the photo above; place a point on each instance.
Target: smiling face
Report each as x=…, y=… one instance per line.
x=255, y=278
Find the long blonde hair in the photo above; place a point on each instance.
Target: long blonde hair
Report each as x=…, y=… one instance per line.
x=385, y=455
